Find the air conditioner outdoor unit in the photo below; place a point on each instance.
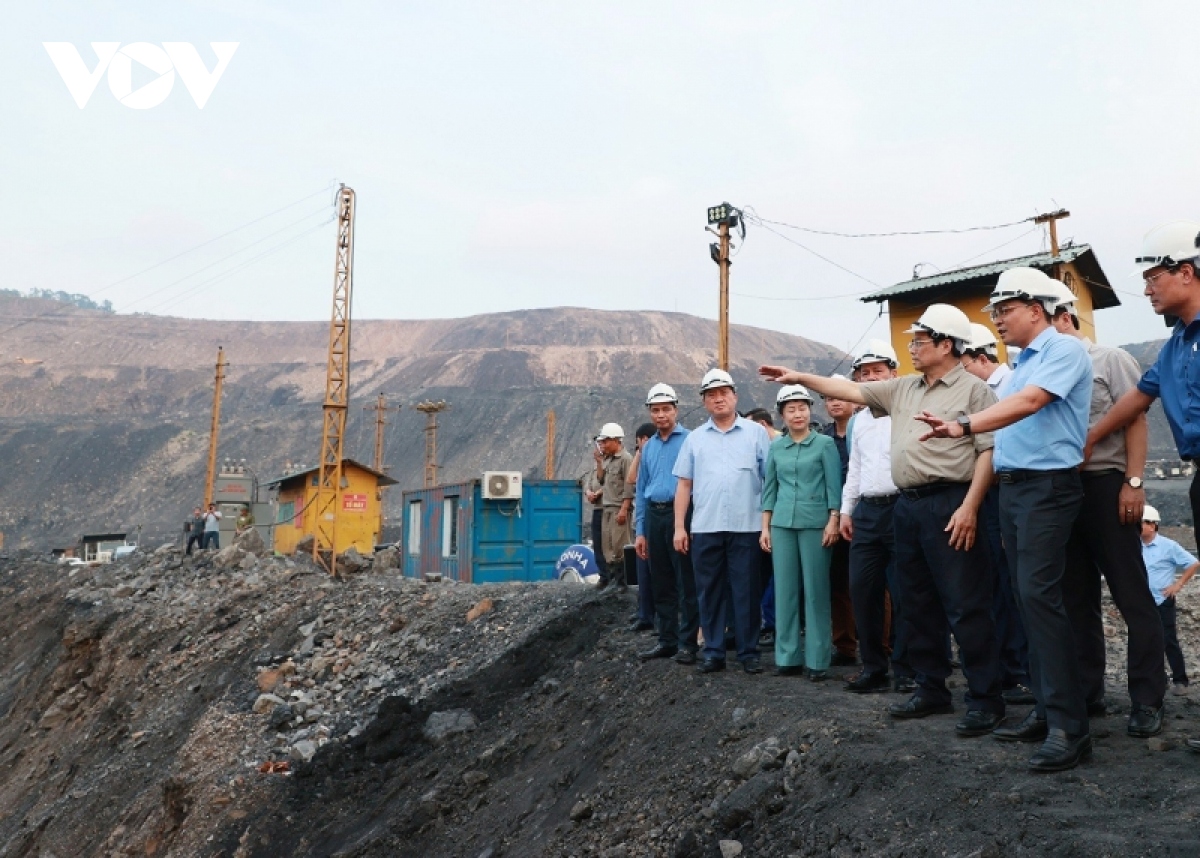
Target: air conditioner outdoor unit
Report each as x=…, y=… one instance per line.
x=502, y=485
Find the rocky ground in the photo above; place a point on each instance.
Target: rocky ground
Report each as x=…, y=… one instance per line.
x=235, y=705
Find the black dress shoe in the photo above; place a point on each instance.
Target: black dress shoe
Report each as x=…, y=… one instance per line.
x=766, y=637
x=842, y=660
x=1145, y=721
x=1030, y=729
x=868, y=683
x=731, y=644
x=752, y=665
x=639, y=626
x=818, y=675
x=659, y=651
x=1018, y=695
x=918, y=707
x=977, y=723
x=711, y=665
x=1097, y=708
x=1060, y=752
x=904, y=685
x=685, y=656
x=789, y=670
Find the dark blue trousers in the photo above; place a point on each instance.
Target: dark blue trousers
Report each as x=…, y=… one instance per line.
x=673, y=584
x=728, y=589
x=872, y=572
x=940, y=586
x=1014, y=648
x=597, y=545
x=645, y=611
x=1036, y=518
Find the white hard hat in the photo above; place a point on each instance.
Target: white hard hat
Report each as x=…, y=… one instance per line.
x=662, y=393
x=610, y=430
x=715, y=378
x=1169, y=245
x=1066, y=298
x=944, y=320
x=877, y=351
x=1026, y=284
x=792, y=393
x=982, y=338
x=1149, y=513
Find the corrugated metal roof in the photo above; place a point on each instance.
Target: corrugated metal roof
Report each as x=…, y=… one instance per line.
x=1081, y=254
x=384, y=479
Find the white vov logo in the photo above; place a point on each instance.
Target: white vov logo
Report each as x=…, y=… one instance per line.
x=172, y=57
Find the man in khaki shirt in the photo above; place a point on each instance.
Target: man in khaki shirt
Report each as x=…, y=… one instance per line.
x=612, y=471
x=945, y=573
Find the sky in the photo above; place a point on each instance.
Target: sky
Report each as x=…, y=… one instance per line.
x=511, y=155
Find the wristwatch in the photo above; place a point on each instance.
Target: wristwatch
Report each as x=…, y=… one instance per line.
x=964, y=420
x=1134, y=482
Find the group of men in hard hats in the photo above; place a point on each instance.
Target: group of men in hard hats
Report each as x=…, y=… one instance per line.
x=988, y=501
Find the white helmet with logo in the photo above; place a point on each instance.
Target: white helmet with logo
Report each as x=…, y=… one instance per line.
x=1027, y=284
x=1169, y=245
x=982, y=339
x=715, y=378
x=661, y=393
x=1150, y=514
x=877, y=351
x=610, y=430
x=792, y=393
x=944, y=320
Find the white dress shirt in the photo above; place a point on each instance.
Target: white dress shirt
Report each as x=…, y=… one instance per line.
x=999, y=375
x=870, y=472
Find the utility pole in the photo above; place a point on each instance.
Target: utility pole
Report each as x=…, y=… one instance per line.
x=1052, y=218
x=214, y=433
x=550, y=444
x=381, y=408
x=723, y=217
x=337, y=391
x=431, y=410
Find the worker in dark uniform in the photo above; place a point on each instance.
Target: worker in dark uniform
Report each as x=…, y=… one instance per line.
x=945, y=572
x=1106, y=540
x=1040, y=425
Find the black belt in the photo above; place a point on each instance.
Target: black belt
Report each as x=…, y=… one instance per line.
x=1019, y=475
x=879, y=500
x=918, y=492
x=1103, y=472
x=660, y=505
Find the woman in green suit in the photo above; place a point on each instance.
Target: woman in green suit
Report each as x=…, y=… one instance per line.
x=801, y=497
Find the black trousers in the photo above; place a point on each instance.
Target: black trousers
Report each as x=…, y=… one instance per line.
x=872, y=572
x=676, y=610
x=1014, y=647
x=941, y=586
x=1166, y=613
x=597, y=545
x=727, y=588
x=1101, y=545
x=1036, y=517
x=194, y=539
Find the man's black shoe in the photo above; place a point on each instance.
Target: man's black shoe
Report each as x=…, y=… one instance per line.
x=789, y=670
x=1061, y=752
x=712, y=665
x=1030, y=729
x=659, y=651
x=731, y=643
x=868, y=683
x=1145, y=721
x=685, y=656
x=639, y=626
x=752, y=665
x=918, y=707
x=842, y=660
x=1097, y=708
x=1018, y=695
x=818, y=675
x=766, y=638
x=904, y=685
x=977, y=723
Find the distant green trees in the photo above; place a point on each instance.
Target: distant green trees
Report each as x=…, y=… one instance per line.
x=83, y=302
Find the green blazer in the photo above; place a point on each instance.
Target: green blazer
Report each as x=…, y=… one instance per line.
x=803, y=482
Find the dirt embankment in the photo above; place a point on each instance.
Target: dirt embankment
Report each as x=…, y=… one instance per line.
x=140, y=704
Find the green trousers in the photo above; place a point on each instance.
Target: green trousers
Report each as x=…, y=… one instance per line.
x=797, y=555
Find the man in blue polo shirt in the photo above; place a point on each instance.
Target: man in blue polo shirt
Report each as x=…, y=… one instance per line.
x=721, y=468
x=1166, y=559
x=676, y=613
x=1040, y=425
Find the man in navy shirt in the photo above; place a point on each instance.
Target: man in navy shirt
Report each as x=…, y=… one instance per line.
x=676, y=613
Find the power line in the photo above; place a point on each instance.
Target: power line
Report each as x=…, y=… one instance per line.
x=890, y=234
x=759, y=221
x=994, y=249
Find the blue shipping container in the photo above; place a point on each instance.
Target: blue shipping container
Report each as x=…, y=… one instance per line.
x=451, y=529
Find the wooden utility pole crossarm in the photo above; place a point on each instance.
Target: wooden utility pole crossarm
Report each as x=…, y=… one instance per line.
x=1053, y=218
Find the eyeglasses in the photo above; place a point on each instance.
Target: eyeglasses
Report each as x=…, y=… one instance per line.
x=997, y=315
x=1151, y=282
x=915, y=345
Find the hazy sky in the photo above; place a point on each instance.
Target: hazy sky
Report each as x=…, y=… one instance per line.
x=514, y=155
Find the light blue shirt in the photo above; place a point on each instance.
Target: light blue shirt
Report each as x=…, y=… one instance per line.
x=655, y=482
x=726, y=470
x=1052, y=438
x=1165, y=559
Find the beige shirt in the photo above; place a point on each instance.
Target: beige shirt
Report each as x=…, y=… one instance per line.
x=914, y=462
x=616, y=471
x=1114, y=373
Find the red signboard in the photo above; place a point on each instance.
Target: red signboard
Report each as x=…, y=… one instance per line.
x=354, y=503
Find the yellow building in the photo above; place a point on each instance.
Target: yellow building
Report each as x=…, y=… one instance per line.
x=968, y=289
x=359, y=508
